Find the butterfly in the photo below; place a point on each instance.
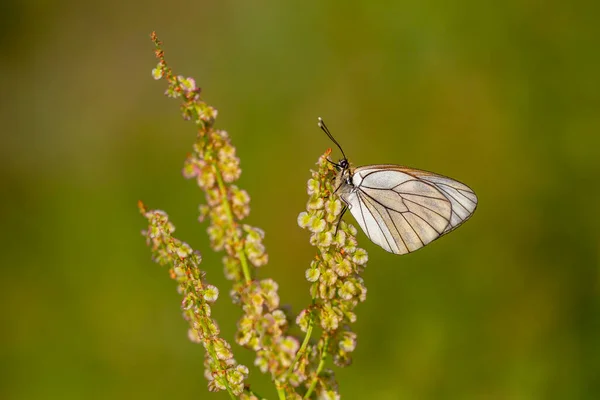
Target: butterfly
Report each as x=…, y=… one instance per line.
x=401, y=209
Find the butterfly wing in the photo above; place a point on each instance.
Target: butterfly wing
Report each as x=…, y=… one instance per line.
x=462, y=197
x=403, y=209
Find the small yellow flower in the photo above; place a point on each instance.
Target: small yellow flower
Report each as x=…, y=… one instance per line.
x=317, y=225
x=312, y=274
x=315, y=203
x=158, y=72
x=360, y=257
x=211, y=293
x=304, y=219
x=313, y=186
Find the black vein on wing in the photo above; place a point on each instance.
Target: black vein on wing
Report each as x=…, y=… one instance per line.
x=425, y=207
x=457, y=200
x=372, y=172
x=362, y=214
x=423, y=181
x=422, y=195
x=359, y=192
x=377, y=201
x=413, y=228
x=467, y=197
x=414, y=202
x=424, y=220
x=398, y=230
x=401, y=213
x=405, y=199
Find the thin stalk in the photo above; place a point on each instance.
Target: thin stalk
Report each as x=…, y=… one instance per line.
x=280, y=391
x=302, y=349
x=211, y=350
x=313, y=384
x=240, y=253
x=253, y=393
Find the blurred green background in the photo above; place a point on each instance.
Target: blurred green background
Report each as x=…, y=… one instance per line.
x=505, y=97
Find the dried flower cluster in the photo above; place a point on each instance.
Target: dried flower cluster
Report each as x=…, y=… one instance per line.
x=215, y=167
x=335, y=275
x=297, y=367
x=222, y=371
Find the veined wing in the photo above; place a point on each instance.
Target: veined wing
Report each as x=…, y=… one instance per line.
x=462, y=197
x=403, y=209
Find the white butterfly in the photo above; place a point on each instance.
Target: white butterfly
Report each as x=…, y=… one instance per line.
x=401, y=209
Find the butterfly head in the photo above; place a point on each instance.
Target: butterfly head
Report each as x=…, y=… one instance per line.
x=344, y=174
x=343, y=164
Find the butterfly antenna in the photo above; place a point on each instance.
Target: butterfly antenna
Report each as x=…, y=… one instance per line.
x=326, y=130
x=333, y=163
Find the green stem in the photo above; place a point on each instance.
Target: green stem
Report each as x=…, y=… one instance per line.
x=280, y=391
x=231, y=394
x=213, y=354
x=302, y=349
x=240, y=253
x=313, y=384
x=253, y=393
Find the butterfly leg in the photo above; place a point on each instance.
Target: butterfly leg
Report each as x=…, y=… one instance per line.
x=340, y=219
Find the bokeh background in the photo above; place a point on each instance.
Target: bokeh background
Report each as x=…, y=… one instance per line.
x=503, y=96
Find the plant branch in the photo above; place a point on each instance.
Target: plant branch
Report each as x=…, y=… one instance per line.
x=240, y=251
x=315, y=379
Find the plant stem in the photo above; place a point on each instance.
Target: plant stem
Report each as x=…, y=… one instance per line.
x=231, y=394
x=253, y=393
x=280, y=391
x=213, y=354
x=313, y=384
x=302, y=349
x=240, y=252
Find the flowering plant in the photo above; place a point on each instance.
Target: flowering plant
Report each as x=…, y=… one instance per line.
x=296, y=365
